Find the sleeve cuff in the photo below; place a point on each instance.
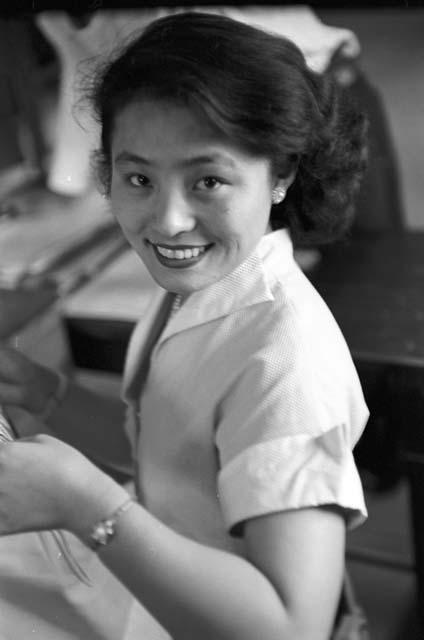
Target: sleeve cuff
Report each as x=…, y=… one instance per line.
x=292, y=473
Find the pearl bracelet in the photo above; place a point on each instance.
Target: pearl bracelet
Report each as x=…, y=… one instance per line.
x=105, y=530
x=55, y=399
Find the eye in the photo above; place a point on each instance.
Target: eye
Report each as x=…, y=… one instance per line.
x=209, y=183
x=138, y=180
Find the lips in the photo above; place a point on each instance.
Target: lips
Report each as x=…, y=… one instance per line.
x=179, y=255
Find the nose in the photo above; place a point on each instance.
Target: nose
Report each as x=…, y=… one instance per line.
x=172, y=214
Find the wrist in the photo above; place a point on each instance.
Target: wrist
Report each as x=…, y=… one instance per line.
x=97, y=506
x=105, y=530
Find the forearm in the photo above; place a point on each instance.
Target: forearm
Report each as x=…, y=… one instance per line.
x=193, y=590
x=93, y=423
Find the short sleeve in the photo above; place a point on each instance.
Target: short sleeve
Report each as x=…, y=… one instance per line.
x=286, y=432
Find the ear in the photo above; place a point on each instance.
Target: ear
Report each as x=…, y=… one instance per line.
x=284, y=183
x=280, y=187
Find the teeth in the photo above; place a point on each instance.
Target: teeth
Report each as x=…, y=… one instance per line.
x=180, y=254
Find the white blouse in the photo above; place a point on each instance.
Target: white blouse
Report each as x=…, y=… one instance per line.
x=246, y=403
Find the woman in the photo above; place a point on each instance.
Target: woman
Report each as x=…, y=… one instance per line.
x=218, y=148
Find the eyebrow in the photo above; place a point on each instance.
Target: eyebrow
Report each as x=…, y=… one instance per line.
x=127, y=156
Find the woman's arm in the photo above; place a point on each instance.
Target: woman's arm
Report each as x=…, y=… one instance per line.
x=288, y=588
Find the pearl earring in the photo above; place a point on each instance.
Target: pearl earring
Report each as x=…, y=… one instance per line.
x=278, y=195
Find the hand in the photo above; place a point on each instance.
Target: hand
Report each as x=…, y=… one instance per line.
x=24, y=383
x=47, y=484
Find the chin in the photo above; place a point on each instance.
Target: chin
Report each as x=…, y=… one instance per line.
x=186, y=287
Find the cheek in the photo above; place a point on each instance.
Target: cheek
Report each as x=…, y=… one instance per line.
x=223, y=229
x=232, y=226
x=131, y=218
x=246, y=229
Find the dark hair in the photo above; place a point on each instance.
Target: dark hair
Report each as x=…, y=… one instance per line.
x=257, y=89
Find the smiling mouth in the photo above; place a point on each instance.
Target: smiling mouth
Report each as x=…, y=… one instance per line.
x=179, y=256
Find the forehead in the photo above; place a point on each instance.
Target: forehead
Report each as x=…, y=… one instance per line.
x=157, y=123
x=168, y=134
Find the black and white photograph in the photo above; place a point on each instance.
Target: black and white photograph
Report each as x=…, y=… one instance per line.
x=212, y=321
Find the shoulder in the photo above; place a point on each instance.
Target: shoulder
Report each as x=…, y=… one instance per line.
x=295, y=365
x=295, y=322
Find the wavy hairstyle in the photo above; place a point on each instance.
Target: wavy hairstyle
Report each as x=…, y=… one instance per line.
x=257, y=89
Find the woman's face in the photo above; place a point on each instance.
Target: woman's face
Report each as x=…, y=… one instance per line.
x=191, y=204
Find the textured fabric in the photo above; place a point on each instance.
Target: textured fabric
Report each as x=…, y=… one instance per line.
x=52, y=587
x=248, y=402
